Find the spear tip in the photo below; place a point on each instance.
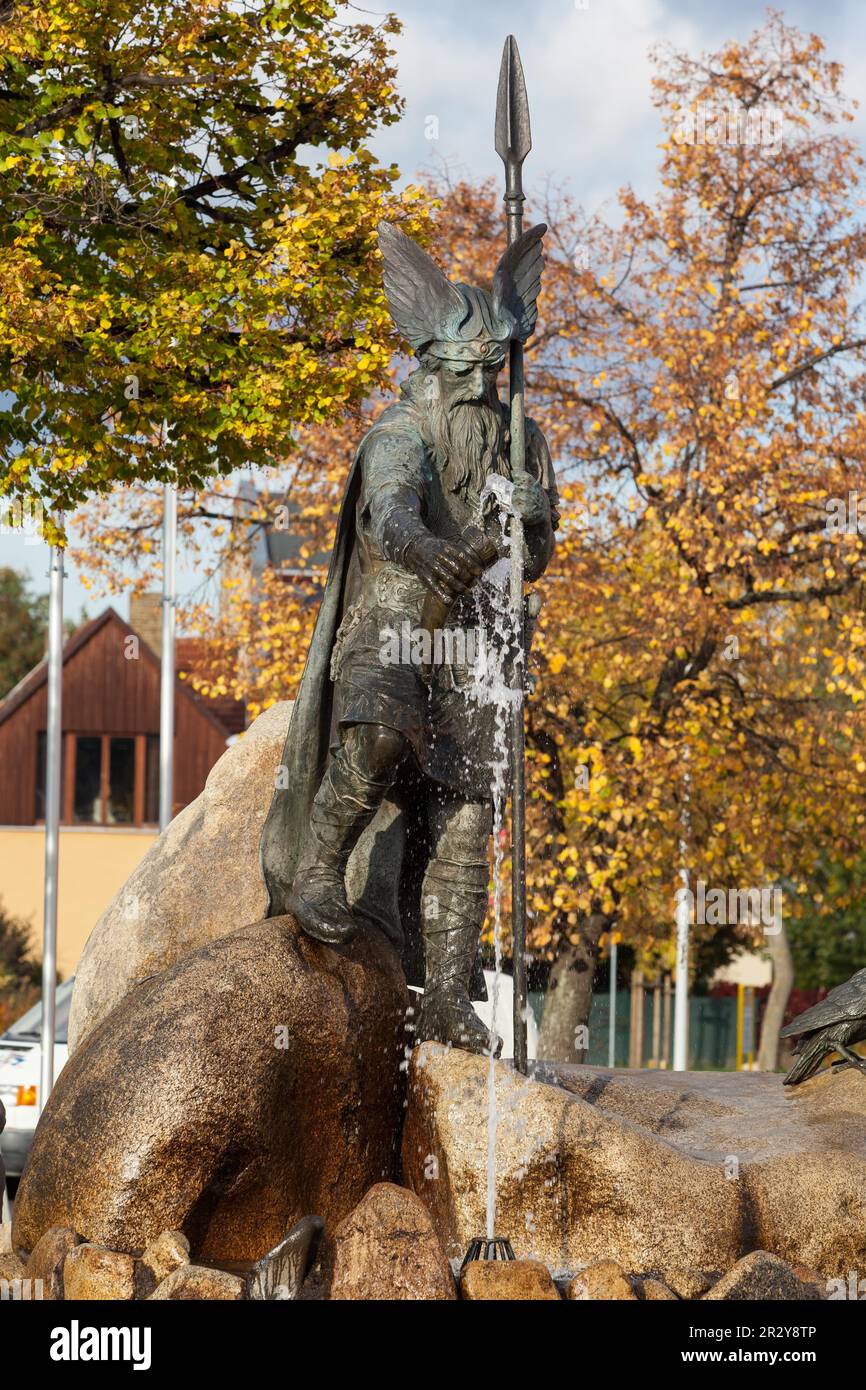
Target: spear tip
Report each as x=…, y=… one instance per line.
x=512, y=137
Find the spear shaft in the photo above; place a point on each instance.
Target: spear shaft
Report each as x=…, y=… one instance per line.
x=513, y=142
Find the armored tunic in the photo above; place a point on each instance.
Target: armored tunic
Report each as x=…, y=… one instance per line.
x=451, y=720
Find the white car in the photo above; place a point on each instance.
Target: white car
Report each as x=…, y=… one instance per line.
x=20, y=1062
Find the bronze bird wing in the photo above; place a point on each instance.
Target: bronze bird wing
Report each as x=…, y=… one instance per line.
x=846, y=1001
x=517, y=280
x=421, y=299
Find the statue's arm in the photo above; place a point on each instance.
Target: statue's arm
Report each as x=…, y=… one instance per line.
x=538, y=535
x=393, y=492
x=392, y=499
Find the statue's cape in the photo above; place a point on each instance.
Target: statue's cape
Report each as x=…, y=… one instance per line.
x=305, y=753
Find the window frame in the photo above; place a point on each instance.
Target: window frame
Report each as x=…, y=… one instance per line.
x=68, y=753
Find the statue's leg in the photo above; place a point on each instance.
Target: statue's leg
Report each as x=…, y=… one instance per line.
x=453, y=907
x=350, y=794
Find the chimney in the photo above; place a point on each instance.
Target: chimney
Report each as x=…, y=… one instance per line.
x=145, y=618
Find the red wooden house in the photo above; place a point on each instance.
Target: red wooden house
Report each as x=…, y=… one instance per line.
x=110, y=733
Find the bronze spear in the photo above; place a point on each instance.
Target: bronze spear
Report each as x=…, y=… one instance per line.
x=513, y=143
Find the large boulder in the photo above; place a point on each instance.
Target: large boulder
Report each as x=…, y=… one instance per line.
x=193, y=886
x=573, y=1185
x=797, y=1154
x=251, y=1084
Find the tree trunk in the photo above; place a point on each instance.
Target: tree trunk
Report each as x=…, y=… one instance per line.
x=774, y=1014
x=569, y=995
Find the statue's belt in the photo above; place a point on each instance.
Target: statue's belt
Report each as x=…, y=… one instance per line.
x=389, y=586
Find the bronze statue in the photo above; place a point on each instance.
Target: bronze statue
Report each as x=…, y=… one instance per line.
x=833, y=1025
x=388, y=728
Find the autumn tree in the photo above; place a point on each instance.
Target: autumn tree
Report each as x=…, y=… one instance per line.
x=187, y=239
x=703, y=364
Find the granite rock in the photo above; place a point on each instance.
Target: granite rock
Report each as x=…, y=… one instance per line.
x=524, y=1281
x=387, y=1249
x=93, y=1273
x=254, y=1083
x=573, y=1185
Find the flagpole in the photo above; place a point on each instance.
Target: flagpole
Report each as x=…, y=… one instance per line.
x=683, y=914
x=167, y=654
x=53, y=746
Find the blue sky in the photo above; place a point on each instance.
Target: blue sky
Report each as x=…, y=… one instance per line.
x=588, y=77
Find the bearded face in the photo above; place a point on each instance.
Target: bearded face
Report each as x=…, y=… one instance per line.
x=462, y=421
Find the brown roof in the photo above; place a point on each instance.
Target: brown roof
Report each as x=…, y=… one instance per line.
x=30, y=683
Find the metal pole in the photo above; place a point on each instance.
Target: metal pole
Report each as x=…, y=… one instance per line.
x=681, y=996
x=681, y=989
x=513, y=142
x=611, y=1022
x=53, y=748
x=518, y=748
x=166, y=688
x=666, y=1027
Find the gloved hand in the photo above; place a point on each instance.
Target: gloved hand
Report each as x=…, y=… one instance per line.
x=530, y=501
x=448, y=568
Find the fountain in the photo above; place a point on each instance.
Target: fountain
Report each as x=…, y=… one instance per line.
x=264, y=1090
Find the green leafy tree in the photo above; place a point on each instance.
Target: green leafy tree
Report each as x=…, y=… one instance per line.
x=187, y=235
x=23, y=621
x=828, y=934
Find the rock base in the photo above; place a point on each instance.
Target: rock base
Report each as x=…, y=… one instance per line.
x=253, y=1084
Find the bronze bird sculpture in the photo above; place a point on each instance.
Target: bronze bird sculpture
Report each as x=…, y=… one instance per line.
x=831, y=1026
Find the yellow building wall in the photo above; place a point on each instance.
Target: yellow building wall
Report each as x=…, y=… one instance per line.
x=94, y=863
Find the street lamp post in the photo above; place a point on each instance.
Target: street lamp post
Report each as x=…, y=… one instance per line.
x=166, y=687
x=52, y=822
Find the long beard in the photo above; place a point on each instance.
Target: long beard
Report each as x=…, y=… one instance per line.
x=467, y=442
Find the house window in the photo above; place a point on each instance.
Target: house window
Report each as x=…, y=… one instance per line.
x=120, y=804
x=107, y=779
x=87, y=788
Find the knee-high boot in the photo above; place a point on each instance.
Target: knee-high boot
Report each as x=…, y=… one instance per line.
x=348, y=798
x=453, y=905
